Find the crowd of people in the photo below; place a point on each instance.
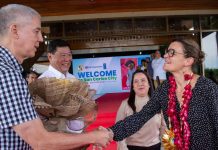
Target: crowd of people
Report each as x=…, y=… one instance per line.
x=182, y=113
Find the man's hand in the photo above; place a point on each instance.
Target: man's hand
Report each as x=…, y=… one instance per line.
x=102, y=138
x=107, y=129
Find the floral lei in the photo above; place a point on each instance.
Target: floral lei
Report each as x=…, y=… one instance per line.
x=180, y=128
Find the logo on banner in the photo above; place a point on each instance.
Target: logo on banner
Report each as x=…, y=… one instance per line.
x=80, y=68
x=104, y=66
x=83, y=68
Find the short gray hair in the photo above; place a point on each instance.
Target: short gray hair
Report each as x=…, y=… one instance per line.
x=13, y=13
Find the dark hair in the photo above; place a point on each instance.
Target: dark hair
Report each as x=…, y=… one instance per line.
x=143, y=60
x=129, y=62
x=52, y=47
x=131, y=100
x=31, y=72
x=191, y=49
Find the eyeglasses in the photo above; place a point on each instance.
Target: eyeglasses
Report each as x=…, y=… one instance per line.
x=171, y=52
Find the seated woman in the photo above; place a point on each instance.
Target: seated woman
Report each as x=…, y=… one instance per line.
x=149, y=135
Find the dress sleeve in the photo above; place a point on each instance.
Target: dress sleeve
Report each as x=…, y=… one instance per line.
x=121, y=112
x=133, y=123
x=213, y=108
x=163, y=126
x=120, y=116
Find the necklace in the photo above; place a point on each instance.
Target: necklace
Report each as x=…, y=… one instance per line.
x=177, y=137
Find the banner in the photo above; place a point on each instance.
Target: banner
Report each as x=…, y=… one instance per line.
x=107, y=74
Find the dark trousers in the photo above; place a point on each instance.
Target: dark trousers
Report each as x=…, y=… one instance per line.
x=154, y=147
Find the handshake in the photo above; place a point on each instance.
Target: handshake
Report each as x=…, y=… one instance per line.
x=103, y=137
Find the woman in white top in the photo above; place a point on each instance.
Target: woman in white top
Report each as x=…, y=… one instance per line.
x=148, y=137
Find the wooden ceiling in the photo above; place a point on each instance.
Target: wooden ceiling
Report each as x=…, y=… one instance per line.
x=74, y=7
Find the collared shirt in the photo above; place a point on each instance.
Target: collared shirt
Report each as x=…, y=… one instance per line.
x=52, y=72
x=16, y=105
x=157, y=65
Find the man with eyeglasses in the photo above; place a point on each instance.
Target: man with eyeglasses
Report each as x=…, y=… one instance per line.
x=158, y=71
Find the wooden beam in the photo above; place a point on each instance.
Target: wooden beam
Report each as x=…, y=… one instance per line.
x=72, y=7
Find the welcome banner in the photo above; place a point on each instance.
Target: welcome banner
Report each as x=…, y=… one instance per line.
x=107, y=74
